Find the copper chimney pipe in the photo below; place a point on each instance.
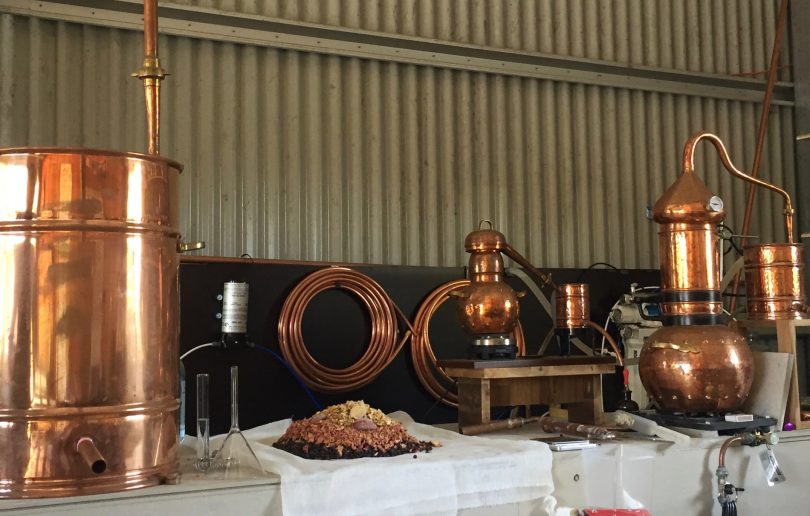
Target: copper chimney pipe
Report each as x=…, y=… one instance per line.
x=488, y=307
x=151, y=74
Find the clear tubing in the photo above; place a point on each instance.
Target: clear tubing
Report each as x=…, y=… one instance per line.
x=234, y=398
x=203, y=426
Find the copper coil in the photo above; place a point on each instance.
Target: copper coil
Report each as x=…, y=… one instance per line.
x=432, y=377
x=383, y=346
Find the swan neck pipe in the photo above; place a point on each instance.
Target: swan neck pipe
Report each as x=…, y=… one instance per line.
x=689, y=167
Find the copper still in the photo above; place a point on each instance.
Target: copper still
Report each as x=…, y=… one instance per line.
x=89, y=340
x=693, y=364
x=488, y=307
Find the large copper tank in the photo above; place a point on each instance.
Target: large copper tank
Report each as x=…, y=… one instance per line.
x=89, y=336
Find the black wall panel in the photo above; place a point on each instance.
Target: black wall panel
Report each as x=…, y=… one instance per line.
x=336, y=330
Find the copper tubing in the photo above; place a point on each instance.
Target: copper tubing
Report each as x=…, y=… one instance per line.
x=609, y=340
x=432, y=377
x=91, y=456
x=494, y=426
x=151, y=74
x=553, y=426
x=761, y=132
x=383, y=346
x=689, y=167
x=150, y=28
x=728, y=443
x=510, y=251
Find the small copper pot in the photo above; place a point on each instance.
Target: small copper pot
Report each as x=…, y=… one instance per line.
x=697, y=369
x=774, y=281
x=487, y=306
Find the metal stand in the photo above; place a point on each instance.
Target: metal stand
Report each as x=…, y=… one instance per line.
x=483, y=384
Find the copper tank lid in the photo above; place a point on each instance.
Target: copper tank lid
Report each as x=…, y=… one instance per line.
x=688, y=200
x=482, y=240
x=42, y=151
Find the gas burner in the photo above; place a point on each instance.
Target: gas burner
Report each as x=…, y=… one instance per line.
x=711, y=422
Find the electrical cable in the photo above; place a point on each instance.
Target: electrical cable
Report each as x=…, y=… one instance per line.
x=431, y=376
x=382, y=348
x=192, y=350
x=292, y=372
x=594, y=265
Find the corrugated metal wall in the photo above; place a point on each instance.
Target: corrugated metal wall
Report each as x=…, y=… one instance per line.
x=306, y=156
x=712, y=36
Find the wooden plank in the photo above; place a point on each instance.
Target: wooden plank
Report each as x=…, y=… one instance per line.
x=473, y=401
x=769, y=391
x=523, y=362
x=589, y=411
x=752, y=323
x=533, y=371
x=786, y=343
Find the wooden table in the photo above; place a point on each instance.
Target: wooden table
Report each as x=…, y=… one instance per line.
x=483, y=384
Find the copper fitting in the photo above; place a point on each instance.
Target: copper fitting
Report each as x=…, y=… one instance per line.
x=774, y=281
x=91, y=456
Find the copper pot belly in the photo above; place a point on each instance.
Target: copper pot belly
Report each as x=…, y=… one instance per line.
x=697, y=369
x=488, y=308
x=89, y=312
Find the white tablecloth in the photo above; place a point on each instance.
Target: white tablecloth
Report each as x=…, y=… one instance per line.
x=465, y=472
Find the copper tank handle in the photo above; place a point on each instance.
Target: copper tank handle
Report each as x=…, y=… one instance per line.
x=689, y=167
x=184, y=247
x=92, y=457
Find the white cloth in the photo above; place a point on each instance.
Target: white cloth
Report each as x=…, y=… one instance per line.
x=465, y=472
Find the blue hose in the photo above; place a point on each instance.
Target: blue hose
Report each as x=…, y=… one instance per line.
x=293, y=373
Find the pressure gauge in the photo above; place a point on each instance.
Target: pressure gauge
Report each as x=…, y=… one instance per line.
x=715, y=204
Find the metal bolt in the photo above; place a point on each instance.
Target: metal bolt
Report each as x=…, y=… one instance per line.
x=219, y=297
x=219, y=315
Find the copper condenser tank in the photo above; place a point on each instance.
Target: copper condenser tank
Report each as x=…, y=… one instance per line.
x=488, y=307
x=694, y=364
x=89, y=351
x=572, y=306
x=89, y=336
x=774, y=281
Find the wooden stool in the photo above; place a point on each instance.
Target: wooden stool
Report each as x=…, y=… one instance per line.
x=483, y=384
